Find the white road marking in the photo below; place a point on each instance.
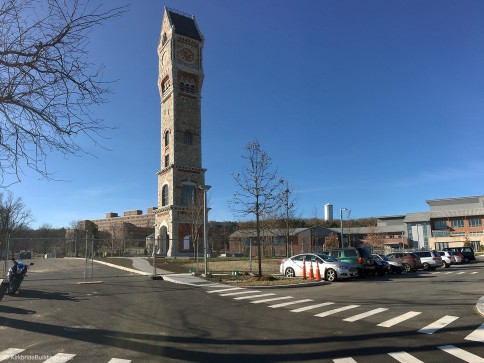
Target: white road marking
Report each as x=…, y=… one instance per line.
x=461, y=354
x=290, y=303
x=252, y=296
x=344, y=360
x=117, y=360
x=460, y=273
x=438, y=324
x=365, y=315
x=224, y=290
x=310, y=307
x=240, y=292
x=404, y=357
x=60, y=358
x=399, y=319
x=271, y=299
x=9, y=353
x=334, y=311
x=475, y=272
x=477, y=335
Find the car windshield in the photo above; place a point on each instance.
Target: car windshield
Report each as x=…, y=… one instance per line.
x=386, y=258
x=327, y=258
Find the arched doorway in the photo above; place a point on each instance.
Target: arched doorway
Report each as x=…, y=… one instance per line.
x=164, y=240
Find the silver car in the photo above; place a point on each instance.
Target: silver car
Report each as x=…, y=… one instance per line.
x=448, y=258
x=330, y=269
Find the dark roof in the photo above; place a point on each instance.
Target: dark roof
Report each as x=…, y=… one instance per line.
x=184, y=25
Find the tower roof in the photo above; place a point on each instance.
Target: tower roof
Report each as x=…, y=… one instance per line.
x=184, y=25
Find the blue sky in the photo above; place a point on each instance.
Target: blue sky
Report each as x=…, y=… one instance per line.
x=371, y=105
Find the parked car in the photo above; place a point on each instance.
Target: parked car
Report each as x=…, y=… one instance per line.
x=360, y=257
x=448, y=258
x=330, y=268
x=459, y=257
x=393, y=265
x=430, y=259
x=467, y=252
x=409, y=260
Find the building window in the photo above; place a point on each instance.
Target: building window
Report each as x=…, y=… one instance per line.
x=188, y=194
x=440, y=225
x=167, y=138
x=167, y=161
x=164, y=195
x=186, y=242
x=475, y=222
x=187, y=138
x=457, y=223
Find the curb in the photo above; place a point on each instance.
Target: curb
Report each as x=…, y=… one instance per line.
x=480, y=306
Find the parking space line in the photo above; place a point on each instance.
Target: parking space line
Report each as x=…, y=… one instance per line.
x=9, y=353
x=344, y=360
x=117, y=360
x=365, y=315
x=252, y=296
x=334, y=311
x=461, y=354
x=438, y=324
x=460, y=273
x=272, y=299
x=404, y=357
x=310, y=307
x=290, y=303
x=240, y=292
x=477, y=335
x=475, y=272
x=399, y=319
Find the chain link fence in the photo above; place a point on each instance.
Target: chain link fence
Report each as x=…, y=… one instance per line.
x=74, y=257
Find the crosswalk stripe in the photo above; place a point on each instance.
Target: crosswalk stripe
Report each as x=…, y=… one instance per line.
x=60, y=358
x=475, y=272
x=365, y=315
x=334, y=311
x=224, y=290
x=438, y=324
x=252, y=296
x=460, y=273
x=461, y=354
x=404, y=357
x=290, y=303
x=399, y=319
x=272, y=299
x=448, y=272
x=477, y=335
x=117, y=360
x=344, y=360
x=240, y=292
x=310, y=307
x=9, y=353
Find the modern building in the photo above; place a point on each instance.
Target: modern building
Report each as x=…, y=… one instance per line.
x=180, y=81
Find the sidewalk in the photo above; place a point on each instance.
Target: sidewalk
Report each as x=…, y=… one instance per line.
x=142, y=264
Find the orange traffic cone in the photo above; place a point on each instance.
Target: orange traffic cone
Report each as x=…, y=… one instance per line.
x=318, y=273
x=311, y=272
x=304, y=270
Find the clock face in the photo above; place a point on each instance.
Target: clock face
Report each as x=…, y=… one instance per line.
x=187, y=55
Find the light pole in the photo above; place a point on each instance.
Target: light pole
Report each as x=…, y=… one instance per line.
x=205, y=188
x=341, y=220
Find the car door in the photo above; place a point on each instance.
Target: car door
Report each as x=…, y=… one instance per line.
x=298, y=263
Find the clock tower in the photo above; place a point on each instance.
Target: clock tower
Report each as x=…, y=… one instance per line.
x=180, y=78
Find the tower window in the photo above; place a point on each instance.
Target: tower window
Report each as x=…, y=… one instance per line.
x=187, y=86
x=167, y=138
x=167, y=160
x=187, y=138
x=188, y=194
x=164, y=195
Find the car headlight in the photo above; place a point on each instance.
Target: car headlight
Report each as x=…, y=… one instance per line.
x=342, y=267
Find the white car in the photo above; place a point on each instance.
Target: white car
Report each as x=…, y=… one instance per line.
x=330, y=268
x=448, y=258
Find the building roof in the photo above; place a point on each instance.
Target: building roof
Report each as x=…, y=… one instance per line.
x=277, y=232
x=454, y=201
x=458, y=213
x=417, y=217
x=184, y=25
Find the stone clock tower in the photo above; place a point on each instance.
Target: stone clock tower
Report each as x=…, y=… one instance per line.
x=180, y=81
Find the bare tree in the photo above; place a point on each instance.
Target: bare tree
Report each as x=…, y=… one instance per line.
x=288, y=211
x=14, y=215
x=374, y=238
x=48, y=86
x=195, y=215
x=331, y=242
x=258, y=192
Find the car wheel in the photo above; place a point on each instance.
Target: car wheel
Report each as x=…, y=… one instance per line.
x=408, y=268
x=446, y=265
x=330, y=275
x=290, y=272
x=426, y=267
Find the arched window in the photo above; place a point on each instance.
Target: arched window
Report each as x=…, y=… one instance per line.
x=167, y=138
x=164, y=195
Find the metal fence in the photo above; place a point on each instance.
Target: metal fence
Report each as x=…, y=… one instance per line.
x=73, y=256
